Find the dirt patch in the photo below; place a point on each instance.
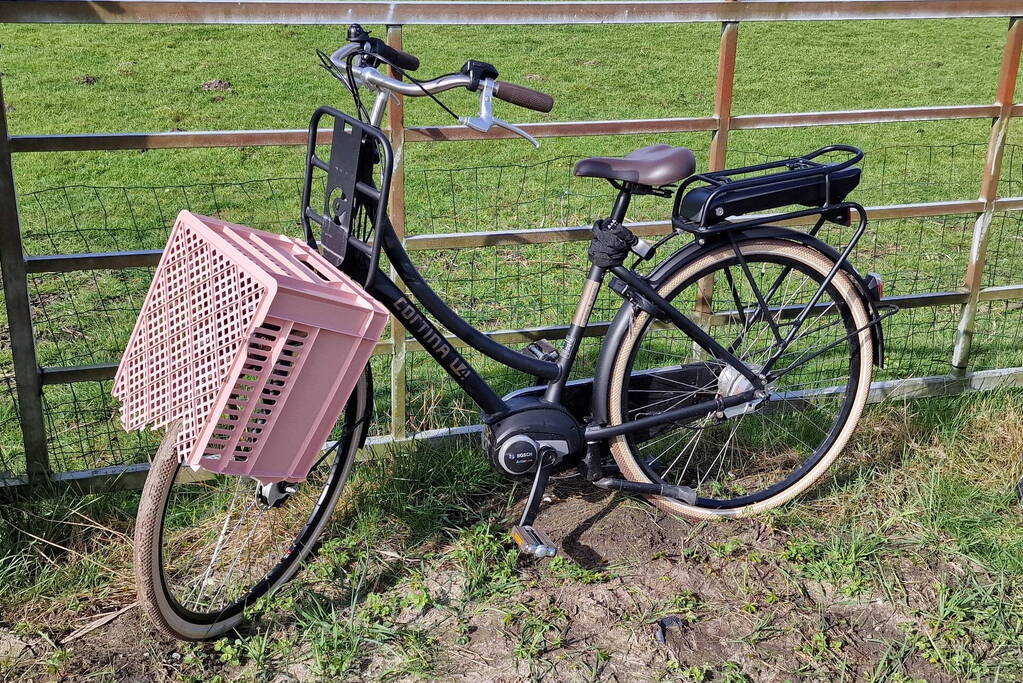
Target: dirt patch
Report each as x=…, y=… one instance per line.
x=216, y=85
x=740, y=613
x=736, y=601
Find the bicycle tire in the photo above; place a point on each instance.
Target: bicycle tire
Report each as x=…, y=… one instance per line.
x=856, y=322
x=156, y=597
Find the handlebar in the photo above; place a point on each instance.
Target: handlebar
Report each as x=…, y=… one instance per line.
x=523, y=96
x=475, y=76
x=374, y=79
x=509, y=92
x=402, y=60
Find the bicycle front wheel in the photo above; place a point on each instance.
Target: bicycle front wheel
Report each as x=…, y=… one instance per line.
x=207, y=546
x=757, y=456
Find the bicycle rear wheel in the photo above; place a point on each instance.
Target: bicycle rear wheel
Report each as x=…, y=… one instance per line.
x=747, y=459
x=207, y=546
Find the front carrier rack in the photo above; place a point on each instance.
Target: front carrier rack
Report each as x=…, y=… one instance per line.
x=705, y=202
x=358, y=180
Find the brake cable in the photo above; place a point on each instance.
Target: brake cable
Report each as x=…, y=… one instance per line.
x=349, y=80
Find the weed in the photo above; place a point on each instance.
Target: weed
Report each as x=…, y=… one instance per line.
x=564, y=568
x=415, y=650
x=57, y=659
x=685, y=606
x=230, y=651
x=731, y=672
x=417, y=597
x=487, y=566
x=540, y=630
x=820, y=646
x=379, y=607
x=694, y=673
x=973, y=630
x=727, y=548
x=336, y=641
x=842, y=561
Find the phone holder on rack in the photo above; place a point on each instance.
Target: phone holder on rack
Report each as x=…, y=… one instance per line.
x=354, y=205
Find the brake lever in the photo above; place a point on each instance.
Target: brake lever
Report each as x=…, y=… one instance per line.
x=486, y=120
x=518, y=131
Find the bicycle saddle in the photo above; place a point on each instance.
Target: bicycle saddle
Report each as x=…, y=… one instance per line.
x=654, y=165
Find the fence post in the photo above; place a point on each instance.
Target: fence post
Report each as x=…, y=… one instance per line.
x=988, y=193
x=19, y=316
x=718, y=156
x=396, y=124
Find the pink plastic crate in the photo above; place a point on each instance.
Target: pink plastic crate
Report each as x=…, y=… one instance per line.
x=253, y=341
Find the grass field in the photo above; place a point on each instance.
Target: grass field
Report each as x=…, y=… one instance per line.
x=903, y=566
x=115, y=78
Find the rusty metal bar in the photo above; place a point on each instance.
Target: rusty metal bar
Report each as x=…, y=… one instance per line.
x=19, y=316
x=106, y=371
x=123, y=477
x=78, y=373
x=396, y=122
x=563, y=129
x=467, y=240
x=516, y=13
x=860, y=116
x=472, y=240
x=84, y=142
x=113, y=260
x=596, y=329
x=1007, y=76
x=91, y=142
x=1008, y=204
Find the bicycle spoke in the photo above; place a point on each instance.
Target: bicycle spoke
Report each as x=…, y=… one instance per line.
x=749, y=449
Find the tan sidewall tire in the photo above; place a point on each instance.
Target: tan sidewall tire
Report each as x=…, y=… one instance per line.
x=149, y=578
x=814, y=260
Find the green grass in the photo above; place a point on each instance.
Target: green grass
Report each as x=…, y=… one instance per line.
x=866, y=577
x=149, y=78
x=923, y=498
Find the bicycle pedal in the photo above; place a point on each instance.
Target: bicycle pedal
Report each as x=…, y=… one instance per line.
x=533, y=541
x=543, y=350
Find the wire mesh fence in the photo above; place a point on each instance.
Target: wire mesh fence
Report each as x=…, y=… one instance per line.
x=85, y=317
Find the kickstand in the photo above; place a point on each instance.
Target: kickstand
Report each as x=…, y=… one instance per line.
x=532, y=541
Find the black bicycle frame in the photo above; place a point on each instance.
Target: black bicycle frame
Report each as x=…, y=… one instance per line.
x=405, y=308
x=360, y=261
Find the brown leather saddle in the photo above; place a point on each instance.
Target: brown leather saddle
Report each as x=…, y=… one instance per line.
x=654, y=166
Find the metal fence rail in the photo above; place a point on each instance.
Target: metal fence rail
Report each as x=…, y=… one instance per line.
x=19, y=267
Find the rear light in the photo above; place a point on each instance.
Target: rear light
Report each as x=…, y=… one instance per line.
x=842, y=215
x=875, y=285
x=846, y=216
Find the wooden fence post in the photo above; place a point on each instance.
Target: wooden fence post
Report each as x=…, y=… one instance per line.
x=718, y=156
x=396, y=124
x=988, y=193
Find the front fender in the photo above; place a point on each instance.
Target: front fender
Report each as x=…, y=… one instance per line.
x=620, y=325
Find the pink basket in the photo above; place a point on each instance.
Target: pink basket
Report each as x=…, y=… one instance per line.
x=253, y=341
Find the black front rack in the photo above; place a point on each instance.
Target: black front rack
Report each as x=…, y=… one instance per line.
x=353, y=206
x=704, y=202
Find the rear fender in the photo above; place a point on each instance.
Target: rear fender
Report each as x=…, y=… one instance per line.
x=688, y=253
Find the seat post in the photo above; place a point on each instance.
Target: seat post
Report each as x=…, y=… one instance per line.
x=621, y=205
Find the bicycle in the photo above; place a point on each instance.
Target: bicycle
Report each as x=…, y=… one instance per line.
x=723, y=413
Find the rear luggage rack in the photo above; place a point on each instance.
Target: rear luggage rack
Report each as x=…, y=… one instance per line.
x=706, y=208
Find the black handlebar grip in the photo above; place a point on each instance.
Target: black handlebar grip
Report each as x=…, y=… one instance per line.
x=523, y=96
x=402, y=60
